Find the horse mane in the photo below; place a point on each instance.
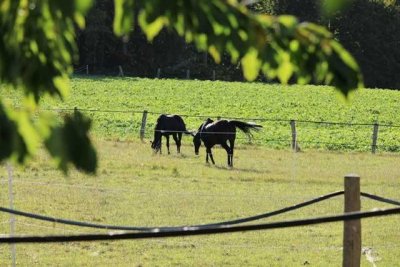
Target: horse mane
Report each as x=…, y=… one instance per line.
x=205, y=123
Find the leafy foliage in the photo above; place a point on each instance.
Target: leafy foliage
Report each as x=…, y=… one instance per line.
x=12, y=142
x=280, y=47
x=38, y=49
x=74, y=146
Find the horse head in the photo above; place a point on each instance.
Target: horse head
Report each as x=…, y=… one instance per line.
x=156, y=145
x=196, y=142
x=197, y=136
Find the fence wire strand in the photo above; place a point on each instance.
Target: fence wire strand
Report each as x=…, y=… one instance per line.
x=228, y=117
x=230, y=222
x=141, y=228
x=380, y=199
x=193, y=231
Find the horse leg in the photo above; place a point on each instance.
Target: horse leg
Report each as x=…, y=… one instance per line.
x=177, y=142
x=167, y=137
x=211, y=156
x=228, y=150
x=232, y=143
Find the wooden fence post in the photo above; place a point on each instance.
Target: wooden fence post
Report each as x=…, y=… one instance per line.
x=158, y=73
x=295, y=146
x=121, y=72
x=213, y=75
x=374, y=137
x=143, y=127
x=87, y=69
x=187, y=74
x=352, y=228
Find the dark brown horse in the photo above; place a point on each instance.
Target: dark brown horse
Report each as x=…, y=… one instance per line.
x=221, y=133
x=168, y=125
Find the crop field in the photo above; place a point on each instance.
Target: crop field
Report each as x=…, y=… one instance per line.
x=133, y=186
x=116, y=106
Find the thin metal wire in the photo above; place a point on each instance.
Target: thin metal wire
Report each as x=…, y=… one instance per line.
x=233, y=118
x=380, y=199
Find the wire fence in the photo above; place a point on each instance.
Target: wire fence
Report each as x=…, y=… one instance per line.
x=277, y=133
x=203, y=229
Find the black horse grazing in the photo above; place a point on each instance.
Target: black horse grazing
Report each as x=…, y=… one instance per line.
x=220, y=132
x=168, y=125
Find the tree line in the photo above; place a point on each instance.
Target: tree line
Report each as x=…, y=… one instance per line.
x=368, y=29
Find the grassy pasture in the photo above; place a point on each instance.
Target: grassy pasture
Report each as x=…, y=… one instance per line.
x=136, y=187
x=244, y=100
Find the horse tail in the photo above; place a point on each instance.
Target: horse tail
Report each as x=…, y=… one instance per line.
x=182, y=125
x=246, y=127
x=188, y=132
x=184, y=130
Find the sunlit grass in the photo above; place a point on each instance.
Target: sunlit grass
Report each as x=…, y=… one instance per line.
x=135, y=187
x=116, y=106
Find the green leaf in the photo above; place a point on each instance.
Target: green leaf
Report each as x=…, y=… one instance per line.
x=70, y=144
x=153, y=28
x=285, y=70
x=214, y=53
x=288, y=21
x=123, y=18
x=80, y=20
x=12, y=144
x=82, y=6
x=62, y=84
x=251, y=64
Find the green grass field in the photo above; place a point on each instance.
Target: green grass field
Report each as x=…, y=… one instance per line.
x=243, y=100
x=120, y=102
x=135, y=187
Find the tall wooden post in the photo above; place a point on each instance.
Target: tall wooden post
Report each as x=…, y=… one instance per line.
x=143, y=127
x=158, y=73
x=294, y=135
x=374, y=137
x=187, y=74
x=352, y=228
